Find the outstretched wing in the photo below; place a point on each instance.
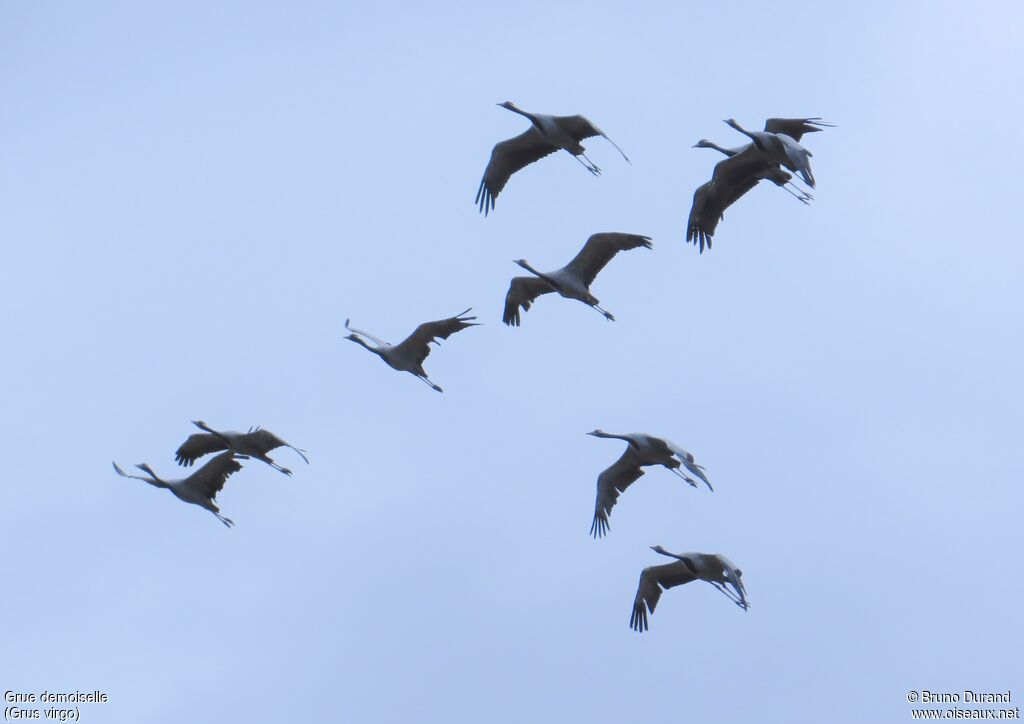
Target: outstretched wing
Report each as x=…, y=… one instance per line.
x=417, y=344
x=731, y=178
x=202, y=443
x=521, y=293
x=795, y=128
x=508, y=157
x=610, y=484
x=704, y=217
x=579, y=127
x=209, y=479
x=653, y=580
x=599, y=250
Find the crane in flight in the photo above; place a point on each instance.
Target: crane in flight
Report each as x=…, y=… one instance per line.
x=746, y=166
x=714, y=568
x=200, y=488
x=408, y=355
x=253, y=444
x=642, y=450
x=545, y=135
x=574, y=279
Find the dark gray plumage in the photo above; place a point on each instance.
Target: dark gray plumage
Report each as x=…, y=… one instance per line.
x=574, y=279
x=200, y=488
x=408, y=355
x=746, y=166
x=546, y=135
x=642, y=450
x=714, y=568
x=253, y=444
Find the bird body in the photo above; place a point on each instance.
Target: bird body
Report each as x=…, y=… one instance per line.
x=642, y=450
x=546, y=135
x=200, y=488
x=732, y=178
x=408, y=355
x=555, y=131
x=574, y=279
x=565, y=282
x=714, y=568
x=745, y=166
x=255, y=444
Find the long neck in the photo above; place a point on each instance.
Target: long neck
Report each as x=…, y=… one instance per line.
x=744, y=131
x=662, y=551
x=711, y=144
x=602, y=433
x=733, y=124
x=155, y=481
x=361, y=341
x=530, y=116
x=376, y=340
x=525, y=265
x=216, y=434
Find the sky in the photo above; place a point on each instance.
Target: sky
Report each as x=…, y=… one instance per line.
x=194, y=197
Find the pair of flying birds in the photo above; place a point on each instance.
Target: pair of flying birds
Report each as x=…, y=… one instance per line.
x=643, y=450
x=572, y=281
x=770, y=151
x=201, y=487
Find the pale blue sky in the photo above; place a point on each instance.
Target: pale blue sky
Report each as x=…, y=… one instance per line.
x=193, y=198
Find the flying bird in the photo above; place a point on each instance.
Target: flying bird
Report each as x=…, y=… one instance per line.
x=776, y=175
x=745, y=166
x=200, y=488
x=714, y=568
x=574, y=279
x=408, y=355
x=731, y=179
x=253, y=444
x=546, y=135
x=642, y=450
